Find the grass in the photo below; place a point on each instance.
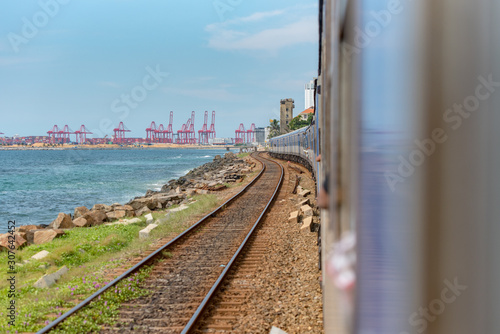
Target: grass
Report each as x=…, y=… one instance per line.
x=242, y=155
x=89, y=253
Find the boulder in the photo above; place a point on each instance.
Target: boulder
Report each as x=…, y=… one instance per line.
x=38, y=237
x=40, y=255
x=144, y=233
x=294, y=217
x=142, y=211
x=149, y=218
x=26, y=228
x=96, y=217
x=307, y=223
x=18, y=239
x=130, y=212
x=80, y=211
x=46, y=281
x=304, y=193
x=62, y=221
x=163, y=201
x=117, y=214
x=132, y=221
x=81, y=222
x=141, y=202
x=306, y=210
x=102, y=207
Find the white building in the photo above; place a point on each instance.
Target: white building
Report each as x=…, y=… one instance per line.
x=309, y=94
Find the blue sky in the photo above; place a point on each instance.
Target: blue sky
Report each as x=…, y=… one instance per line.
x=75, y=62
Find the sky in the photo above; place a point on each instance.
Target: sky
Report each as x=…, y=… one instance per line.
x=98, y=63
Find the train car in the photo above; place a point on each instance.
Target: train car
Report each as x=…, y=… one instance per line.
x=297, y=146
x=406, y=121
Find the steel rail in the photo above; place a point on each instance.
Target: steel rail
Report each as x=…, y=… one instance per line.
x=144, y=261
x=228, y=266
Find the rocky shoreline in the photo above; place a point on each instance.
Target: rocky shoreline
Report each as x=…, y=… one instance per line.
x=210, y=177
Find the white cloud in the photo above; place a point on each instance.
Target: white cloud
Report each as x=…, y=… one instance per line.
x=243, y=34
x=259, y=16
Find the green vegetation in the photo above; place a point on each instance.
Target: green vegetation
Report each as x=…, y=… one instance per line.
x=90, y=254
x=104, y=310
x=297, y=122
x=242, y=155
x=274, y=128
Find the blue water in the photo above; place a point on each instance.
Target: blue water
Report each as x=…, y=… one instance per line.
x=36, y=185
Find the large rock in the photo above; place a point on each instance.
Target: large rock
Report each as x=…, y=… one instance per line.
x=18, y=239
x=141, y=202
x=80, y=211
x=40, y=255
x=306, y=210
x=102, y=207
x=117, y=214
x=26, y=228
x=142, y=211
x=96, y=217
x=46, y=281
x=62, y=221
x=144, y=233
x=38, y=237
x=163, y=201
x=81, y=222
x=129, y=211
x=304, y=193
x=149, y=218
x=307, y=223
x=294, y=217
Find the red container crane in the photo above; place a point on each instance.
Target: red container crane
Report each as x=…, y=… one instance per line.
x=211, y=131
x=251, y=134
x=81, y=134
x=119, y=136
x=240, y=134
x=150, y=132
x=169, y=133
x=54, y=134
x=203, y=133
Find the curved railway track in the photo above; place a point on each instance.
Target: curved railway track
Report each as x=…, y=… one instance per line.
x=183, y=284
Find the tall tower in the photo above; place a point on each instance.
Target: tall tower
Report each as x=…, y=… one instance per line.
x=286, y=114
x=309, y=94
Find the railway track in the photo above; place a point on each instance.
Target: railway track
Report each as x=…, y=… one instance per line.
x=182, y=285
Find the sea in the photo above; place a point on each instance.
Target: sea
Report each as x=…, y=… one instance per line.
x=35, y=185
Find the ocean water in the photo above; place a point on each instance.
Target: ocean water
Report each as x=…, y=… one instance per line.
x=36, y=185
